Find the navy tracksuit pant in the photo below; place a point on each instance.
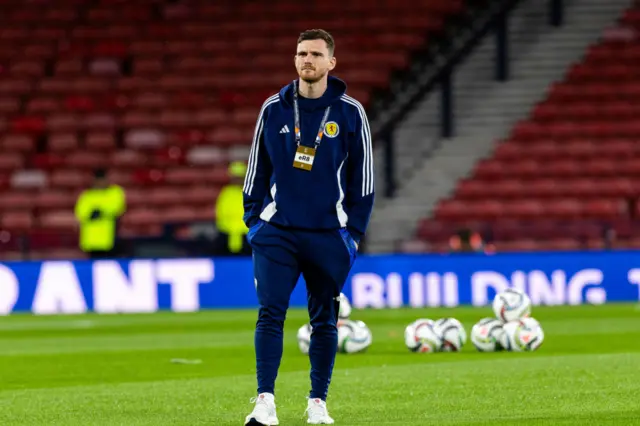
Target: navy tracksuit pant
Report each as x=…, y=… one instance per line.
x=280, y=255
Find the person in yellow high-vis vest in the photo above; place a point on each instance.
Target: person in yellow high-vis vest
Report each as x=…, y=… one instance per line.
x=232, y=230
x=98, y=209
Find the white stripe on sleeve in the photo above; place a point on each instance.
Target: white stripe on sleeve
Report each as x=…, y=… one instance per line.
x=365, y=134
x=255, y=146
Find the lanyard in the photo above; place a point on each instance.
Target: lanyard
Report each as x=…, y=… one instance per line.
x=296, y=116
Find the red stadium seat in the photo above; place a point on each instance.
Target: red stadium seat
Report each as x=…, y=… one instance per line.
x=16, y=221
x=17, y=200
x=100, y=141
x=63, y=142
x=59, y=219
x=55, y=200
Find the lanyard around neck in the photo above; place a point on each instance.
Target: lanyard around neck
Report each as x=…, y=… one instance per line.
x=296, y=117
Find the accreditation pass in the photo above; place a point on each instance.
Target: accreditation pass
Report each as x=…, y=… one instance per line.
x=304, y=158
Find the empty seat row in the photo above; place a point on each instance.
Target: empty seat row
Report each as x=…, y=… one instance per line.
x=549, y=188
x=601, y=128
x=572, y=92
x=549, y=149
x=61, y=177
x=558, y=168
x=145, y=99
x=585, y=111
x=492, y=209
x=144, y=216
x=202, y=118
x=532, y=228
x=23, y=201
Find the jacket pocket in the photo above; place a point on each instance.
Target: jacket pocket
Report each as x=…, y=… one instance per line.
x=349, y=243
x=254, y=230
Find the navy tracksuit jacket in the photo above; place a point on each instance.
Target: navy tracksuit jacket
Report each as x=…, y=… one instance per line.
x=306, y=222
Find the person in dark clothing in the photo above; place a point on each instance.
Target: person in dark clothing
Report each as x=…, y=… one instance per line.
x=308, y=197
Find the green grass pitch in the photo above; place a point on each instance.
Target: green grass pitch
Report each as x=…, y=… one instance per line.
x=118, y=370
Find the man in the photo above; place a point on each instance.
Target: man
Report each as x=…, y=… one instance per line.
x=229, y=215
x=308, y=196
x=98, y=210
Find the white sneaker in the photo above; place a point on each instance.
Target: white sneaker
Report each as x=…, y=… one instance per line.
x=264, y=412
x=317, y=412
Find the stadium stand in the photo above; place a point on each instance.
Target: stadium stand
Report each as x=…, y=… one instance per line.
x=568, y=173
x=163, y=95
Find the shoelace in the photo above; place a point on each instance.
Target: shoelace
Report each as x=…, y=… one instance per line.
x=317, y=409
x=256, y=399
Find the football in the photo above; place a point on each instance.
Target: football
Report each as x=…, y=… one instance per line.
x=452, y=334
x=353, y=336
x=487, y=335
x=419, y=336
x=345, y=307
x=523, y=335
x=511, y=304
x=304, y=338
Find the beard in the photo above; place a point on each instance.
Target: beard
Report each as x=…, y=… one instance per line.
x=313, y=78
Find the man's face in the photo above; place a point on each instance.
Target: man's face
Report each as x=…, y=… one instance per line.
x=313, y=60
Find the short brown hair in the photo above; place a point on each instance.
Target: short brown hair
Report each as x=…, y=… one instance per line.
x=318, y=34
